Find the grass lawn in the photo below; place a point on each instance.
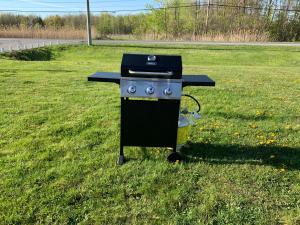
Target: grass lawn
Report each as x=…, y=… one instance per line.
x=59, y=141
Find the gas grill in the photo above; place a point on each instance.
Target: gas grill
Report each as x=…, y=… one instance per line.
x=150, y=90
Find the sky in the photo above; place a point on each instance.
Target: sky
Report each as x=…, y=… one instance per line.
x=70, y=5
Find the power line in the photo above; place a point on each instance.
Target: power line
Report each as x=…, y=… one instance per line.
x=73, y=11
x=81, y=2
x=41, y=7
x=148, y=9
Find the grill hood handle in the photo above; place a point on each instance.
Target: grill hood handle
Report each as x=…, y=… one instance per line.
x=169, y=73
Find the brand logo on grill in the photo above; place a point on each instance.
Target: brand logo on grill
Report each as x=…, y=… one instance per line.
x=152, y=60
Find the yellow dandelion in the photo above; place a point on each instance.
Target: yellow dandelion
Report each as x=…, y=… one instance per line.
x=288, y=127
x=258, y=113
x=270, y=141
x=237, y=134
x=261, y=142
x=254, y=126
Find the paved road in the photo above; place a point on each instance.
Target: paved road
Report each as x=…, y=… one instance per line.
x=8, y=44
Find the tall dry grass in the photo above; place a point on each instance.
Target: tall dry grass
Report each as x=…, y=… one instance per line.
x=66, y=33
x=234, y=36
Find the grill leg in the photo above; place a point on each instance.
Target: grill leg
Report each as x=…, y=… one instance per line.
x=121, y=157
x=121, y=160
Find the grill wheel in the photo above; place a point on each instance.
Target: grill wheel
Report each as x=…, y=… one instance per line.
x=174, y=157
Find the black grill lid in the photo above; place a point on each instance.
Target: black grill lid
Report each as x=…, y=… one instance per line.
x=151, y=66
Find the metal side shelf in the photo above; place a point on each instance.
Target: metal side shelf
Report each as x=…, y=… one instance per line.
x=187, y=80
x=197, y=80
x=105, y=77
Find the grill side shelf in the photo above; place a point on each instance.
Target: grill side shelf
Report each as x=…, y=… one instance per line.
x=187, y=80
x=197, y=80
x=105, y=77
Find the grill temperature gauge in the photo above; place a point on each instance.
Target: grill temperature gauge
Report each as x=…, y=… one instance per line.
x=131, y=89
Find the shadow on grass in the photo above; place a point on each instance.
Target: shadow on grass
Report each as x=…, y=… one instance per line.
x=4, y=154
x=279, y=157
x=36, y=70
x=233, y=115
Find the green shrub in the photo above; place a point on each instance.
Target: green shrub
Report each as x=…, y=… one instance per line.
x=40, y=54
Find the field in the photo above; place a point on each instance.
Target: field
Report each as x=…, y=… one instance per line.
x=59, y=139
x=79, y=34
x=67, y=33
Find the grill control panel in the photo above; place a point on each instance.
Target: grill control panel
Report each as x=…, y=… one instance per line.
x=151, y=88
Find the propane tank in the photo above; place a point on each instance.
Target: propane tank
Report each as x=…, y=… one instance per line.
x=185, y=121
x=183, y=131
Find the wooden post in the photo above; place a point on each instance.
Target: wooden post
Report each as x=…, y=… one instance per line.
x=196, y=19
x=166, y=24
x=198, y=3
x=207, y=16
x=178, y=20
x=175, y=24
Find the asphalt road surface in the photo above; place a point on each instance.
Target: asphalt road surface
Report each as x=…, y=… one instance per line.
x=9, y=44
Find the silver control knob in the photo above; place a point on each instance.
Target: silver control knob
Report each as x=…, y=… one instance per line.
x=168, y=91
x=150, y=90
x=131, y=89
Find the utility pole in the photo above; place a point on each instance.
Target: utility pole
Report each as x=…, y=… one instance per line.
x=207, y=17
x=88, y=22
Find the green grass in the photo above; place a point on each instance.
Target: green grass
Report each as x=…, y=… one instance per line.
x=59, y=140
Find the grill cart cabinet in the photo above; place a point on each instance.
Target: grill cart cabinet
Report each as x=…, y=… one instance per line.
x=150, y=90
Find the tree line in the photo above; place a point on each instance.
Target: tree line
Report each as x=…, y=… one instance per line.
x=56, y=21
x=277, y=20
